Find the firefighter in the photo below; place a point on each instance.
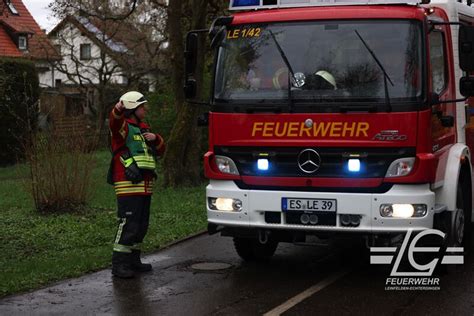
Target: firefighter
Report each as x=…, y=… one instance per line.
x=280, y=78
x=135, y=150
x=328, y=82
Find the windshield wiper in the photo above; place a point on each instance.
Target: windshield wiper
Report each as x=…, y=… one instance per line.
x=358, y=108
x=263, y=109
x=385, y=75
x=290, y=70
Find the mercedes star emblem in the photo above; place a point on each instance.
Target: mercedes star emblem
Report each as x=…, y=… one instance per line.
x=309, y=160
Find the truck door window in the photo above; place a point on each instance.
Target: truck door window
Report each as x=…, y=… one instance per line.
x=439, y=75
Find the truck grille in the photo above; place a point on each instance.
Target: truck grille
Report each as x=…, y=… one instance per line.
x=284, y=160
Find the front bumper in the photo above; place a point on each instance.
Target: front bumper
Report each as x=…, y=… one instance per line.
x=256, y=202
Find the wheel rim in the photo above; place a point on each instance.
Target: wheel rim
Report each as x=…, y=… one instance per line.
x=460, y=226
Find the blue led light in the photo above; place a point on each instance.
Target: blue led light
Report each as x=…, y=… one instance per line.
x=245, y=3
x=353, y=165
x=262, y=164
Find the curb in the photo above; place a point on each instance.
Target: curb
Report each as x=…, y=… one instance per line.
x=45, y=286
x=176, y=242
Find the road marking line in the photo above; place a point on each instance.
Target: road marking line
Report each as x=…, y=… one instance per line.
x=305, y=294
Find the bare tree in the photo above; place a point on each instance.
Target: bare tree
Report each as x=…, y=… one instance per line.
x=103, y=9
x=182, y=163
x=124, y=47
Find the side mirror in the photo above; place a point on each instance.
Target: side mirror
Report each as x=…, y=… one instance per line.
x=466, y=86
x=190, y=88
x=190, y=53
x=466, y=48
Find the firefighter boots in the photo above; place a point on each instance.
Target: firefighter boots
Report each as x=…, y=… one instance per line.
x=122, y=265
x=137, y=265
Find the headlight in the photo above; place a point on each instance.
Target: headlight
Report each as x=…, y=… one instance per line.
x=403, y=210
x=400, y=167
x=262, y=164
x=224, y=204
x=226, y=165
x=353, y=165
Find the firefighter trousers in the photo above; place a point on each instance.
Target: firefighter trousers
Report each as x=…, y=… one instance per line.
x=133, y=214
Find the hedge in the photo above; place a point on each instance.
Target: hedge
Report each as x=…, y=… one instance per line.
x=19, y=93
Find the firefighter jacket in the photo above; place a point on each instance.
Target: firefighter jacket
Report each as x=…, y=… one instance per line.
x=128, y=141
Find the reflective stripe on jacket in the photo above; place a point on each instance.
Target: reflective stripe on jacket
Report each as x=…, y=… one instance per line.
x=127, y=187
x=138, y=148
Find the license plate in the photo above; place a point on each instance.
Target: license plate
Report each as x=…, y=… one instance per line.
x=308, y=205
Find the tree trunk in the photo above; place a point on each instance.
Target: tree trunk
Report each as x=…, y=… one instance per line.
x=175, y=31
x=182, y=162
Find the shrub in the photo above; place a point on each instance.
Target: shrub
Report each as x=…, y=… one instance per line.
x=19, y=93
x=61, y=167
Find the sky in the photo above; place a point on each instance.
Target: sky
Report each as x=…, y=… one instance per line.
x=40, y=12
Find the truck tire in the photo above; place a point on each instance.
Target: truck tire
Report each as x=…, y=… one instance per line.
x=459, y=230
x=251, y=249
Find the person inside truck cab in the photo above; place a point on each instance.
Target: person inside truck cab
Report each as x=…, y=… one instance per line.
x=321, y=80
x=267, y=79
x=263, y=73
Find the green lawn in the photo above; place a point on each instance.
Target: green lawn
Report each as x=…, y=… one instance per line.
x=39, y=249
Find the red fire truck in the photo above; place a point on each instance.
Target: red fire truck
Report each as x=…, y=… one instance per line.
x=336, y=117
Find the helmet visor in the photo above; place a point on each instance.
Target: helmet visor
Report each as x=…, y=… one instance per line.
x=141, y=101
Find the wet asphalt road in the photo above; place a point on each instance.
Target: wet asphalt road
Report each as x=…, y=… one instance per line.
x=175, y=288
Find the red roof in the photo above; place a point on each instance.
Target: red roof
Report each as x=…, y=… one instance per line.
x=17, y=26
x=39, y=46
x=7, y=47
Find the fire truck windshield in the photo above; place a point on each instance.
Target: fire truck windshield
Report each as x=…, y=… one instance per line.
x=329, y=62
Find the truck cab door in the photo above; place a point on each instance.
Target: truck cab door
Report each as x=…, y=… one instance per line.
x=441, y=82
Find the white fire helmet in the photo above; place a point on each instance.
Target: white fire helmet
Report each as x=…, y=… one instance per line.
x=132, y=99
x=328, y=77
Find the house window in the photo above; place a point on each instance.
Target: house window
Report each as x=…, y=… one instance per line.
x=57, y=83
x=12, y=8
x=85, y=51
x=22, y=42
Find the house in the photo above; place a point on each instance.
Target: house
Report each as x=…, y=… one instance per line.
x=103, y=52
x=21, y=37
